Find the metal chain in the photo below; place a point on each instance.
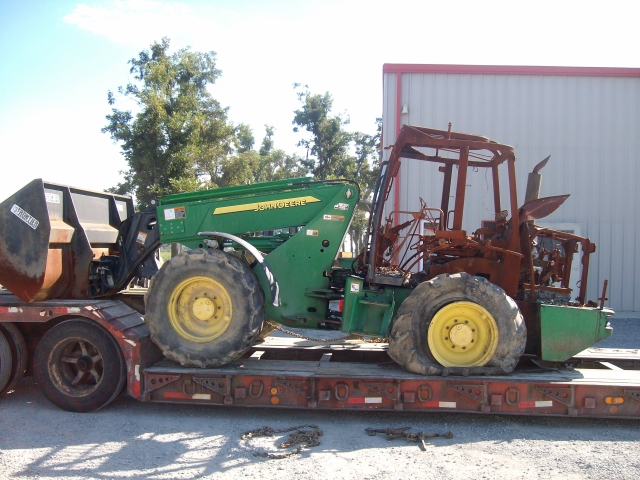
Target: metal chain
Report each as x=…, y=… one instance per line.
x=350, y=336
x=300, y=436
x=405, y=432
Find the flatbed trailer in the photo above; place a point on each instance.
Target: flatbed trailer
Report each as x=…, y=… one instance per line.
x=344, y=375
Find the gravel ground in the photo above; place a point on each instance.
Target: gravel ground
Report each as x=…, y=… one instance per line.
x=129, y=439
x=626, y=334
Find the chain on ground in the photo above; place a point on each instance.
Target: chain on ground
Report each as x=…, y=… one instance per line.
x=300, y=435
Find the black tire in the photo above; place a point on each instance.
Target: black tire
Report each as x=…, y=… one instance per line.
x=211, y=335
x=19, y=355
x=79, y=366
x=5, y=362
x=408, y=343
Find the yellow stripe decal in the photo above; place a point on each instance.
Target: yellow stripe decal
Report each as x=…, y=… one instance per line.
x=270, y=205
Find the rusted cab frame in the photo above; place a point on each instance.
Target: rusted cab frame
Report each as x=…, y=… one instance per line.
x=512, y=254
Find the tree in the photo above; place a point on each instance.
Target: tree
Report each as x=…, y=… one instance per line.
x=368, y=153
x=179, y=132
x=329, y=142
x=333, y=152
x=266, y=165
x=275, y=164
x=245, y=139
x=267, y=141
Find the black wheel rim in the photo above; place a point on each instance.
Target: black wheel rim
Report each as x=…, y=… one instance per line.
x=77, y=367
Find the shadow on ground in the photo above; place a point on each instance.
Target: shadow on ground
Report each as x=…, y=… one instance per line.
x=129, y=439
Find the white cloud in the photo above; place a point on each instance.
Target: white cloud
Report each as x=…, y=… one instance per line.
x=134, y=22
x=340, y=46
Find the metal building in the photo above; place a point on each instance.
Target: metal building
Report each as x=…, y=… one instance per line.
x=587, y=119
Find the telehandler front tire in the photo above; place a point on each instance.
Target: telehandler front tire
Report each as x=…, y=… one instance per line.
x=458, y=324
x=204, y=308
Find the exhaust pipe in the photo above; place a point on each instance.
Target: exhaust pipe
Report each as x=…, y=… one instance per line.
x=534, y=180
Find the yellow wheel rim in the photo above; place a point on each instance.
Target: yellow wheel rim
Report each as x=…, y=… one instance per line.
x=462, y=334
x=200, y=309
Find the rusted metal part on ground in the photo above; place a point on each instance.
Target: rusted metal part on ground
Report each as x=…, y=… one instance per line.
x=305, y=436
x=512, y=252
x=406, y=433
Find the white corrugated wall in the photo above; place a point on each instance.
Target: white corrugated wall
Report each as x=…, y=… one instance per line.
x=588, y=124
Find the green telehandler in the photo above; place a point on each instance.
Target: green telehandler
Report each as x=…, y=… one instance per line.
x=450, y=302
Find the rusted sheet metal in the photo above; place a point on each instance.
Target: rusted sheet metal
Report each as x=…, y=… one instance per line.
x=540, y=207
x=49, y=236
x=24, y=241
x=510, y=251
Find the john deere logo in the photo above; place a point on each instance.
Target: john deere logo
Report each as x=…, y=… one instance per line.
x=263, y=206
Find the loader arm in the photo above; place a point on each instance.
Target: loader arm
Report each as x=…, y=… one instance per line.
x=297, y=224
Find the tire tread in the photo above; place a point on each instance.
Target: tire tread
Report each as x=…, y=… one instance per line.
x=224, y=349
x=408, y=338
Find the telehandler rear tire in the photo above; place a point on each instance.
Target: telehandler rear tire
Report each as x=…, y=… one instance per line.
x=204, y=308
x=458, y=324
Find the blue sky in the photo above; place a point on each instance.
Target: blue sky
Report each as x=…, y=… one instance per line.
x=59, y=58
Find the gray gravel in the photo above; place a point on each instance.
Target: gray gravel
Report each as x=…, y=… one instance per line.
x=626, y=334
x=129, y=439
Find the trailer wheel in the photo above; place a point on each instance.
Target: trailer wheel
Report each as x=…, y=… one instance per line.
x=79, y=366
x=5, y=361
x=204, y=308
x=458, y=324
x=19, y=355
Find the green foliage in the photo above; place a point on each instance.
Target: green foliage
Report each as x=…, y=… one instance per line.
x=267, y=141
x=329, y=142
x=333, y=152
x=179, y=139
x=179, y=131
x=245, y=140
x=266, y=165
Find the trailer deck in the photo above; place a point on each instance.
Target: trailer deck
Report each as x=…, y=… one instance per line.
x=348, y=374
x=358, y=377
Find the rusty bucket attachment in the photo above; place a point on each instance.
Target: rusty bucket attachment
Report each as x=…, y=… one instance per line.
x=49, y=235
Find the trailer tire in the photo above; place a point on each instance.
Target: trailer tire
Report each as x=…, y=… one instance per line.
x=204, y=308
x=19, y=355
x=5, y=362
x=79, y=366
x=458, y=324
